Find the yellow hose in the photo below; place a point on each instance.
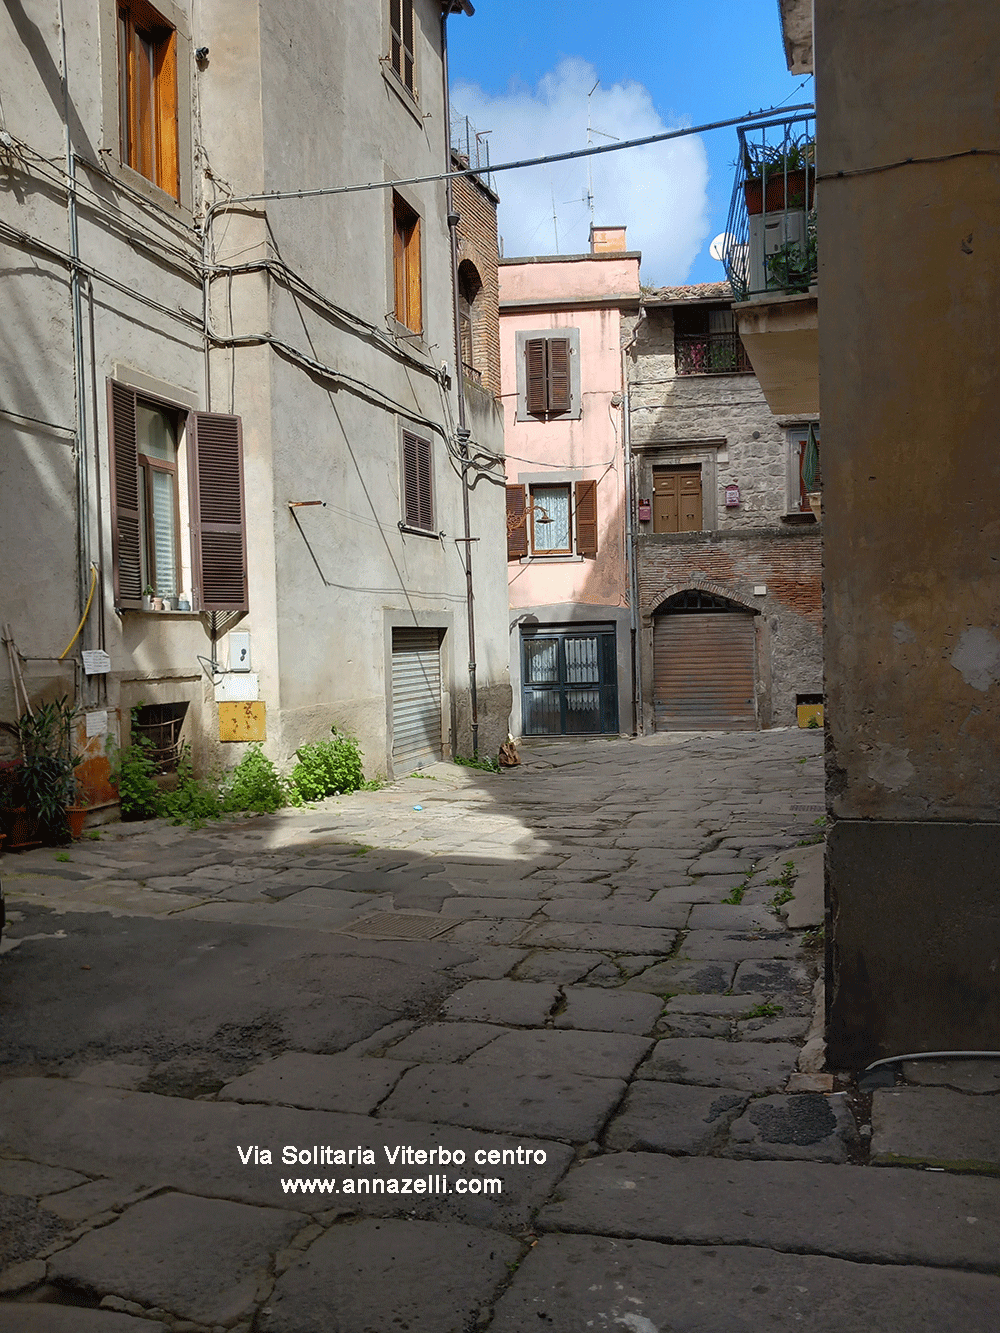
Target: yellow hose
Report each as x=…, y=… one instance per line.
x=86, y=609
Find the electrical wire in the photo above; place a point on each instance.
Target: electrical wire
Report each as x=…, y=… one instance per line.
x=907, y=162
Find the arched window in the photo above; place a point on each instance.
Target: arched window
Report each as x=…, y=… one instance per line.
x=469, y=286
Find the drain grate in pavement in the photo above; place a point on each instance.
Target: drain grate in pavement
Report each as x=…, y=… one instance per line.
x=807, y=809
x=398, y=926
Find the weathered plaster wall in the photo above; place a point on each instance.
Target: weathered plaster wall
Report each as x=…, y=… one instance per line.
x=909, y=348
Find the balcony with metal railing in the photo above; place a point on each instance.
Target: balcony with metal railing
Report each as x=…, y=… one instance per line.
x=770, y=256
x=771, y=231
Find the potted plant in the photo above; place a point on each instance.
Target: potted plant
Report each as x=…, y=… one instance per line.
x=147, y=597
x=779, y=176
x=45, y=774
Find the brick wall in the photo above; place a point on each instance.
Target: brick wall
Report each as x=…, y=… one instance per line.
x=787, y=561
x=478, y=243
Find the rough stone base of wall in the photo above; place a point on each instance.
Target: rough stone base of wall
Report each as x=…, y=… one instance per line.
x=494, y=704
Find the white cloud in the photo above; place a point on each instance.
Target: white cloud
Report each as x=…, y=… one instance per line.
x=659, y=192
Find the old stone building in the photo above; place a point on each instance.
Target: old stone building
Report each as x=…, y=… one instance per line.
x=231, y=386
x=726, y=546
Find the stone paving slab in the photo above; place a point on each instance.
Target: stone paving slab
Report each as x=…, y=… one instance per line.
x=32, y=1180
x=936, y=1127
x=608, y=1011
x=572, y=1283
x=157, y=1255
x=772, y=976
x=707, y=976
x=674, y=1118
x=736, y=946
x=559, y=965
x=523, y=1003
x=440, y=1043
x=964, y=1075
x=491, y=964
x=23, y=1318
x=750, y=1065
x=803, y=1127
x=420, y=1276
x=606, y=1054
x=471, y=908
x=319, y=1082
x=191, y=1147
x=556, y=1105
x=783, y=1027
x=90, y=1199
x=597, y=935
x=618, y=912
x=732, y=917
x=848, y=1212
x=731, y=1006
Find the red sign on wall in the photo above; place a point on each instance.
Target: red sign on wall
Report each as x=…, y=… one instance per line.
x=645, y=511
x=732, y=495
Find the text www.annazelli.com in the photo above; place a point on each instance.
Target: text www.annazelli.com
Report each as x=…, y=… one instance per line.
x=435, y=1184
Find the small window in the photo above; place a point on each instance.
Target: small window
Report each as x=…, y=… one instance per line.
x=147, y=94
x=401, y=53
x=418, y=491
x=547, y=376
x=165, y=517
x=469, y=287
x=805, y=470
x=677, y=499
x=552, y=519
x=707, y=342
x=406, y=264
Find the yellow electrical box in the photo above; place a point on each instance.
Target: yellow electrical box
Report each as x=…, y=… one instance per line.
x=807, y=712
x=245, y=721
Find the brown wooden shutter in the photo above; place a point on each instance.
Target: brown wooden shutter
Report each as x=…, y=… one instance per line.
x=586, y=518
x=536, y=379
x=126, y=531
x=414, y=296
x=218, y=519
x=558, y=349
x=517, y=526
x=418, y=495
x=168, y=164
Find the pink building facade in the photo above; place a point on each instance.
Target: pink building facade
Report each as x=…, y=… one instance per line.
x=571, y=620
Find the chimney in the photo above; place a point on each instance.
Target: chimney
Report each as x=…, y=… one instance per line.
x=603, y=239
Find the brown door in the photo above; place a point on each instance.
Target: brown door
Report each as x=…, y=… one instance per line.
x=676, y=500
x=703, y=671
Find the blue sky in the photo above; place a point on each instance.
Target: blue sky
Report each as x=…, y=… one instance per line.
x=523, y=72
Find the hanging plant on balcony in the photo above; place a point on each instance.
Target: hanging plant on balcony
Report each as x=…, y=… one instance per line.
x=779, y=177
x=792, y=267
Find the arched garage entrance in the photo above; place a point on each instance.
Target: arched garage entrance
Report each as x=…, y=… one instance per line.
x=703, y=664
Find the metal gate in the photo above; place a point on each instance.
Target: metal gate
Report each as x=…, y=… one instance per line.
x=569, y=682
x=703, y=671
x=416, y=698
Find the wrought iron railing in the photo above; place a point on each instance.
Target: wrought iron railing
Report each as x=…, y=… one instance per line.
x=770, y=241
x=710, y=354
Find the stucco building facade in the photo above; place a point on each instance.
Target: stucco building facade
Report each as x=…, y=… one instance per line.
x=239, y=402
x=571, y=626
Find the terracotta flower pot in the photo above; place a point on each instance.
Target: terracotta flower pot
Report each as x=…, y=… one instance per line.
x=75, y=817
x=777, y=200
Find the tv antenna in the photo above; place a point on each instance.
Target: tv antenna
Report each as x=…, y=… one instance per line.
x=589, y=197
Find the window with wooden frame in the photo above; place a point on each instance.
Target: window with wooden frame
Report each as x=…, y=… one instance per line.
x=552, y=519
x=806, y=472
x=406, y=264
x=547, y=376
x=418, y=488
x=147, y=94
x=401, y=40
x=677, y=502
x=707, y=342
x=157, y=505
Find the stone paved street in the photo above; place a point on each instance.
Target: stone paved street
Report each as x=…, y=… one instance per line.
x=543, y=1047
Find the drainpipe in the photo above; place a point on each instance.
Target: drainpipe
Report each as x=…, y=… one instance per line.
x=82, y=498
x=633, y=573
x=463, y=432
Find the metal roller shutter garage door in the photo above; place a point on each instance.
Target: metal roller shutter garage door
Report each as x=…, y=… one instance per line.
x=416, y=698
x=703, y=671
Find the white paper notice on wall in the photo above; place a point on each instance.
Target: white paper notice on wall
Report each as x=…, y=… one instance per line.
x=97, y=723
x=96, y=662
x=238, y=687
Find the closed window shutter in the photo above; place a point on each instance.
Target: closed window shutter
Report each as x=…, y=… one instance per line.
x=126, y=532
x=218, y=525
x=517, y=526
x=586, y=517
x=418, y=497
x=536, y=380
x=558, y=349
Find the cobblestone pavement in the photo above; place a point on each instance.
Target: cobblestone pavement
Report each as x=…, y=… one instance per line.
x=542, y=1046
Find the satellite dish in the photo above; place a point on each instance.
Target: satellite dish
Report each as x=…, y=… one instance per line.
x=721, y=243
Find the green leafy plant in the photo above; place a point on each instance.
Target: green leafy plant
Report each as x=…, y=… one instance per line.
x=794, y=154
x=483, y=763
x=815, y=938
x=46, y=772
x=766, y=1010
x=735, y=895
x=134, y=770
x=62, y=856
x=254, y=785
x=327, y=768
x=793, y=267
x=193, y=800
x=784, y=884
